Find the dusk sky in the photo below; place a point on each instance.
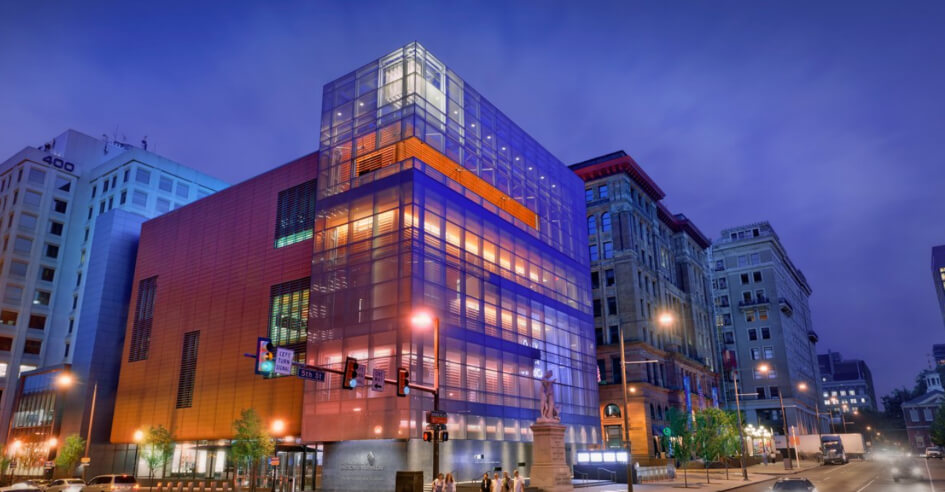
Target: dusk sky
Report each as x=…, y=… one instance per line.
x=825, y=118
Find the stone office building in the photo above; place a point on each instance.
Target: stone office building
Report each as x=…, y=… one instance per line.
x=645, y=263
x=768, y=340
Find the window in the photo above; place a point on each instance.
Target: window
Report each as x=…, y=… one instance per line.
x=47, y=274
x=595, y=280
x=18, y=269
x=726, y=319
x=188, y=370
x=763, y=313
x=105, y=186
x=597, y=308
x=611, y=410
x=13, y=294
x=295, y=214
x=769, y=352
x=612, y=306
x=928, y=414
x=6, y=344
x=59, y=206
x=756, y=276
x=163, y=205
x=143, y=176
x=744, y=278
x=610, y=278
x=37, y=322
x=288, y=315
x=114, y=180
x=63, y=184
x=94, y=190
x=913, y=413
x=755, y=353
x=101, y=207
x=752, y=334
x=22, y=245
x=617, y=373
x=123, y=198
x=599, y=337
x=139, y=198
x=143, y=317
x=742, y=260
x=605, y=225
x=755, y=258
x=32, y=347
x=28, y=222
x=32, y=198
x=608, y=249
x=729, y=337
x=719, y=265
x=603, y=192
x=183, y=190
x=614, y=333
x=591, y=225
x=775, y=392
x=8, y=317
x=52, y=251
x=594, y=254
x=166, y=184
x=749, y=316
x=125, y=178
x=41, y=298
x=589, y=194
x=765, y=333
x=761, y=393
x=723, y=283
x=55, y=228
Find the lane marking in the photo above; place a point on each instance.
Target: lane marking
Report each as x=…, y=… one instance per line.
x=931, y=485
x=865, y=486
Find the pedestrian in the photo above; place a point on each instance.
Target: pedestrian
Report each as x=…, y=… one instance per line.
x=486, y=484
x=496, y=483
x=506, y=482
x=438, y=484
x=519, y=483
x=449, y=485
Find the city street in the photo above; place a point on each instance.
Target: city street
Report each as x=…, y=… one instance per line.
x=866, y=476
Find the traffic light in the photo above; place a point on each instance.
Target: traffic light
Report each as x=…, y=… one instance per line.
x=265, y=356
x=427, y=435
x=403, y=382
x=444, y=436
x=351, y=373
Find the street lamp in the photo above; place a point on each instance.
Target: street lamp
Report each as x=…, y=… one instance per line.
x=664, y=319
x=66, y=380
x=803, y=387
x=764, y=369
x=741, y=431
x=422, y=320
x=138, y=437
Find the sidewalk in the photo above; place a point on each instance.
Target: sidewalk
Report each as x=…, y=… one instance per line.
x=718, y=483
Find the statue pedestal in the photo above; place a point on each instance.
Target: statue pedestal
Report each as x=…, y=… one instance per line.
x=550, y=471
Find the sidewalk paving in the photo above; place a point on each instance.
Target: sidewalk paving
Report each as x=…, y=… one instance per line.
x=718, y=483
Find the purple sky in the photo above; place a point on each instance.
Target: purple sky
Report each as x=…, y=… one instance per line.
x=826, y=118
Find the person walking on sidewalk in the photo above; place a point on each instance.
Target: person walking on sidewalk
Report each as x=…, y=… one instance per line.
x=486, y=484
x=518, y=484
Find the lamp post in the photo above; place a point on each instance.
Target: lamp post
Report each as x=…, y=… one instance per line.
x=741, y=430
x=138, y=438
x=276, y=429
x=764, y=369
x=66, y=380
x=664, y=319
x=422, y=320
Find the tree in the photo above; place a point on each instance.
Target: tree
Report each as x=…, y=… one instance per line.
x=709, y=435
x=158, y=448
x=730, y=438
x=72, y=450
x=4, y=466
x=251, y=443
x=681, y=440
x=937, y=430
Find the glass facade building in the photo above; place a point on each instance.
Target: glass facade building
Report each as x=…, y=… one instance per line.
x=430, y=198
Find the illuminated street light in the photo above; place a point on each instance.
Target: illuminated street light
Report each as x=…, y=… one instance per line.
x=666, y=319
x=52, y=442
x=422, y=320
x=65, y=380
x=277, y=427
x=138, y=435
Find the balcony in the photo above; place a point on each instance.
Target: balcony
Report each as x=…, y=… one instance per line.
x=753, y=302
x=785, y=306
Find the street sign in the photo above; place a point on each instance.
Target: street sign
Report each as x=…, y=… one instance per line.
x=437, y=417
x=312, y=374
x=49, y=465
x=85, y=460
x=667, y=431
x=362, y=375
x=377, y=383
x=284, y=358
x=274, y=461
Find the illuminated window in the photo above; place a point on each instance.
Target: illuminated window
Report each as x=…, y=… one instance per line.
x=295, y=214
x=288, y=314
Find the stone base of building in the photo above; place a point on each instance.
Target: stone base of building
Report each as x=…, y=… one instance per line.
x=550, y=471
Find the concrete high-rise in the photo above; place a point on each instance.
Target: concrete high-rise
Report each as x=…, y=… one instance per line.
x=768, y=339
x=646, y=263
x=72, y=210
x=846, y=384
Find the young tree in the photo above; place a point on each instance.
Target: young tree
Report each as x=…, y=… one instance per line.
x=251, y=444
x=4, y=466
x=708, y=435
x=681, y=441
x=937, y=430
x=730, y=438
x=157, y=448
x=72, y=450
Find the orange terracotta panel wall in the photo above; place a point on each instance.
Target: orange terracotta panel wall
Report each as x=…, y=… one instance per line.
x=215, y=262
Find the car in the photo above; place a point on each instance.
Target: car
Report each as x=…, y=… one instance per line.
x=933, y=452
x=907, y=469
x=794, y=484
x=65, y=485
x=110, y=483
x=25, y=486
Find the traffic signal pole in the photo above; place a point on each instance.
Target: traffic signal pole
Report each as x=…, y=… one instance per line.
x=436, y=394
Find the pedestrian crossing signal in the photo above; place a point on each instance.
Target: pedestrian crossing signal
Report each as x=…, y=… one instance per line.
x=428, y=436
x=403, y=382
x=350, y=380
x=444, y=436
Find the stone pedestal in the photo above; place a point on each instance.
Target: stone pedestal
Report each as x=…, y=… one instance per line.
x=549, y=471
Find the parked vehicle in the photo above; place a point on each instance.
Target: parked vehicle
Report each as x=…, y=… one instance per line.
x=933, y=452
x=111, y=483
x=65, y=485
x=25, y=486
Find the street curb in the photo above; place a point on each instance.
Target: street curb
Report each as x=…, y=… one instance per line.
x=773, y=477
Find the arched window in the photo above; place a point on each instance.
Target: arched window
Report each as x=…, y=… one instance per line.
x=605, y=222
x=611, y=410
x=591, y=225
x=652, y=412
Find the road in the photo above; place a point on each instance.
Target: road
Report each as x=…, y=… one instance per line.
x=868, y=476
